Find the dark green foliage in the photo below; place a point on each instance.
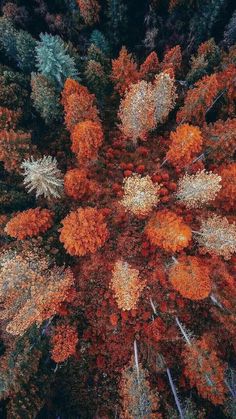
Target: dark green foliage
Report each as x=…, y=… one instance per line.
x=230, y=32
x=15, y=89
x=53, y=61
x=96, y=78
x=8, y=38
x=97, y=38
x=204, y=19
x=45, y=98
x=14, y=198
x=19, y=46
x=25, y=46
x=117, y=22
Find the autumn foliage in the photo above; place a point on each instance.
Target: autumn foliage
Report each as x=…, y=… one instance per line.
x=117, y=209
x=186, y=142
x=124, y=71
x=29, y=223
x=205, y=371
x=168, y=231
x=63, y=341
x=84, y=231
x=77, y=185
x=79, y=104
x=190, y=277
x=87, y=138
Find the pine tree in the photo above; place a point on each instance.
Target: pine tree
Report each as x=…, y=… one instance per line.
x=53, y=60
x=45, y=98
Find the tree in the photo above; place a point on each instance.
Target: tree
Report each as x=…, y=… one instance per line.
x=15, y=146
x=220, y=139
x=198, y=100
x=84, y=231
x=87, y=138
x=77, y=185
x=138, y=400
x=206, y=59
x=117, y=22
x=226, y=197
x=96, y=78
x=79, y=106
x=191, y=278
x=140, y=195
x=29, y=223
x=126, y=285
x=205, y=371
x=186, y=142
x=45, y=98
x=8, y=118
x=217, y=236
x=168, y=231
x=172, y=60
x=98, y=39
x=19, y=46
x=53, y=60
x=124, y=71
x=32, y=289
x=164, y=96
x=136, y=111
x=150, y=67
x=43, y=176
x=199, y=189
x=145, y=105
x=89, y=10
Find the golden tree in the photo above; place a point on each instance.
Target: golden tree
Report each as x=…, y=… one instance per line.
x=126, y=285
x=186, y=142
x=140, y=194
x=168, y=231
x=191, y=278
x=84, y=231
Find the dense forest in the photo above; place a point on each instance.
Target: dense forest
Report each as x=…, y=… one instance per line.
x=117, y=209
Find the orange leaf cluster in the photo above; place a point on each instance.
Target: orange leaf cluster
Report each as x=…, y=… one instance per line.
x=29, y=223
x=89, y=10
x=205, y=371
x=86, y=139
x=198, y=100
x=77, y=185
x=226, y=197
x=14, y=148
x=190, y=277
x=186, y=142
x=227, y=81
x=172, y=59
x=124, y=71
x=150, y=67
x=63, y=341
x=168, y=231
x=79, y=104
x=83, y=231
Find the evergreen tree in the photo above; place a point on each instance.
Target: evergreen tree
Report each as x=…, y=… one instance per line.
x=45, y=98
x=53, y=60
